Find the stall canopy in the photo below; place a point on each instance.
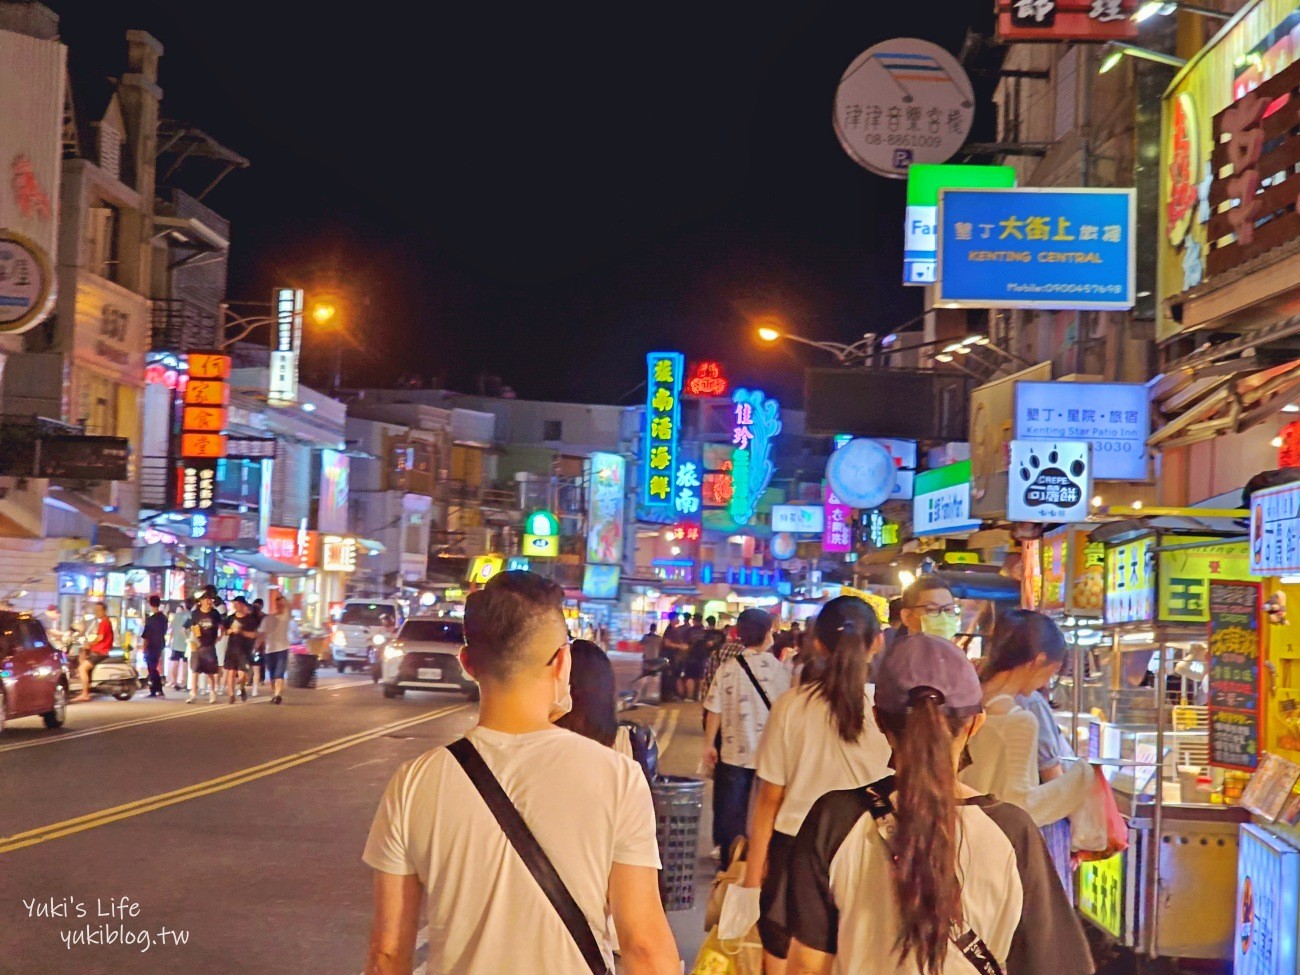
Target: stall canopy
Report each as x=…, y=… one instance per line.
x=88, y=508
x=260, y=563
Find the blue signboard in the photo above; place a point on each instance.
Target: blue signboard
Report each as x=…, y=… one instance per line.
x=1036, y=248
x=662, y=420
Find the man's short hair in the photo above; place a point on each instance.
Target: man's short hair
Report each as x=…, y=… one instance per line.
x=753, y=626
x=913, y=593
x=711, y=620
x=501, y=617
x=155, y=601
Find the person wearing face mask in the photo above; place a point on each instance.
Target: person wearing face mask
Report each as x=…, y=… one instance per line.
x=1023, y=757
x=929, y=607
x=439, y=842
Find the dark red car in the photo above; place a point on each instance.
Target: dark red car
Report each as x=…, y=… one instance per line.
x=33, y=672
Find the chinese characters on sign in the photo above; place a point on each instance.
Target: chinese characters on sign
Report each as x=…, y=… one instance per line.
x=1066, y=20
x=26, y=283
x=901, y=102
x=757, y=422
x=1115, y=418
x=1035, y=248
x=706, y=379
x=1130, y=581
x=1049, y=482
x=942, y=501
x=282, y=388
x=205, y=395
x=1234, y=674
x=688, y=485
x=1188, y=567
x=197, y=485
x=1275, y=531
x=662, y=418
x=837, y=536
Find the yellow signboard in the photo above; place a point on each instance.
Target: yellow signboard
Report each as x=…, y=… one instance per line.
x=484, y=567
x=1131, y=581
x=1101, y=893
x=879, y=603
x=1087, y=580
x=1186, y=573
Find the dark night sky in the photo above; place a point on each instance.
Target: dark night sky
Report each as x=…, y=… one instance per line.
x=549, y=193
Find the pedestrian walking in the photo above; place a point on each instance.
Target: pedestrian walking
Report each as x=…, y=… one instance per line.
x=275, y=635
x=483, y=832
x=821, y=738
x=206, y=626
x=154, y=637
x=241, y=633
x=916, y=874
x=737, y=707
x=178, y=645
x=257, y=672
x=97, y=648
x=651, y=643
x=675, y=645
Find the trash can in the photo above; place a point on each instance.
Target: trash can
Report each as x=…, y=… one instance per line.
x=302, y=670
x=678, y=802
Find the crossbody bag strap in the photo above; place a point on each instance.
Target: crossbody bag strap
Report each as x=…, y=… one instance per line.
x=970, y=944
x=744, y=665
x=531, y=852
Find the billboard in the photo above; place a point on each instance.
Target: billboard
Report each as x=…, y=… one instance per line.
x=942, y=502
x=1037, y=248
x=1067, y=20
x=806, y=519
x=757, y=423
x=1114, y=417
x=605, y=509
x=865, y=403
x=1275, y=531
x=921, y=226
x=332, y=514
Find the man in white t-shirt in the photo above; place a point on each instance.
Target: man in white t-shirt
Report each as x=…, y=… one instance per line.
x=588, y=807
x=738, y=704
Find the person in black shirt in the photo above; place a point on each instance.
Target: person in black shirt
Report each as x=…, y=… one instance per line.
x=242, y=630
x=154, y=637
x=207, y=625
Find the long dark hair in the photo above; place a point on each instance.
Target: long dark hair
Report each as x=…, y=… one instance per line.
x=846, y=627
x=592, y=686
x=925, y=841
x=1019, y=636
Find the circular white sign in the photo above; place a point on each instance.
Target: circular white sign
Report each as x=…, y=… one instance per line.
x=26, y=283
x=783, y=546
x=901, y=102
x=861, y=474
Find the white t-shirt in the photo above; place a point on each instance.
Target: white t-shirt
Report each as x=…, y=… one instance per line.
x=743, y=715
x=589, y=808
x=276, y=631
x=802, y=751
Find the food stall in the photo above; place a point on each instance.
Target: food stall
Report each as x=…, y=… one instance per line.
x=1175, y=755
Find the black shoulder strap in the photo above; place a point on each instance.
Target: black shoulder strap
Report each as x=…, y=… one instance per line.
x=744, y=665
x=970, y=944
x=534, y=857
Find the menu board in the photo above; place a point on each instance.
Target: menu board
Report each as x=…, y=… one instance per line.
x=1270, y=787
x=1234, y=674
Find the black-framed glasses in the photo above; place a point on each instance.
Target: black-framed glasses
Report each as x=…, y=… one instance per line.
x=555, y=656
x=934, y=612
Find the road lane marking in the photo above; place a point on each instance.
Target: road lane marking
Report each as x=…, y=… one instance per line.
x=53, y=831
x=667, y=739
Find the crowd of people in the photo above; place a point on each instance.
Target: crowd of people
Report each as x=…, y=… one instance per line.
x=202, y=645
x=850, y=764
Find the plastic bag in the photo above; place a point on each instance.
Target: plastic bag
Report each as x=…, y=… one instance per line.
x=734, y=874
x=739, y=913
x=1098, y=829
x=743, y=956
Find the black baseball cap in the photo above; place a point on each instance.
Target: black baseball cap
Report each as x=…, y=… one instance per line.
x=930, y=662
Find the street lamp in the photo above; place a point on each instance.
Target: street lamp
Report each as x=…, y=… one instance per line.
x=1164, y=8
x=846, y=354
x=324, y=311
x=1116, y=51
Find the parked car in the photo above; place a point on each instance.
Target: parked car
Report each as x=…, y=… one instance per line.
x=363, y=626
x=33, y=672
x=426, y=657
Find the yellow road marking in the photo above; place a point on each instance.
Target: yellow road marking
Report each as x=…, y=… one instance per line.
x=53, y=831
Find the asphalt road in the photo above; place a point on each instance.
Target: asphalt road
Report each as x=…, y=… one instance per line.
x=236, y=829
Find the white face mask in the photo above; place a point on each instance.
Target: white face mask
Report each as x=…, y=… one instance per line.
x=562, y=700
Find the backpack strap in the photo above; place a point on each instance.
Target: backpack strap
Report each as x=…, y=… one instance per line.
x=531, y=852
x=744, y=665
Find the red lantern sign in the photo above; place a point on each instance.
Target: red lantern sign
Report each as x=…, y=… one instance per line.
x=706, y=379
x=1288, y=455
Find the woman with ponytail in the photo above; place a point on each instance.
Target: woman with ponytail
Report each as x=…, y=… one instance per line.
x=917, y=874
x=821, y=736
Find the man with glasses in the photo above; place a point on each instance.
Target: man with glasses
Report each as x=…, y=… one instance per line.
x=435, y=836
x=929, y=607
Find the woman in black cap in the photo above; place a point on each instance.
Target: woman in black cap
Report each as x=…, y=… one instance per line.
x=966, y=880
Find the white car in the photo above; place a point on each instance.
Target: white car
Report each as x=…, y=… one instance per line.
x=358, y=637
x=426, y=657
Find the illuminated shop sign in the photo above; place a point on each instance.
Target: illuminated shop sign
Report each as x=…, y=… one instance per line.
x=662, y=420
x=757, y=423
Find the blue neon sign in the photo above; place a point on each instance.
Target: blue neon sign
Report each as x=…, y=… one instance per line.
x=662, y=420
x=756, y=424
x=1036, y=248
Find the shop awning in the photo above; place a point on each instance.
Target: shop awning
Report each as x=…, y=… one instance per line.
x=260, y=563
x=89, y=508
x=371, y=546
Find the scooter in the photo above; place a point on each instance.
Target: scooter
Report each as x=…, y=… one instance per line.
x=647, y=689
x=115, y=675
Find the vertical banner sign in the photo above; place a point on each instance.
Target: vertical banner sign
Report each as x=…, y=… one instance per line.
x=1234, y=674
x=605, y=509
x=757, y=422
x=688, y=484
x=204, y=402
x=282, y=389
x=837, y=535
x=662, y=417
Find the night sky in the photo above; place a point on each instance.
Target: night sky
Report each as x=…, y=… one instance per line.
x=544, y=194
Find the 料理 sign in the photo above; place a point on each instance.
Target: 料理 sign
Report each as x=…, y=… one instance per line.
x=1036, y=248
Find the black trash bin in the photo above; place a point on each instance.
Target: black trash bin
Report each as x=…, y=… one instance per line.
x=678, y=802
x=302, y=670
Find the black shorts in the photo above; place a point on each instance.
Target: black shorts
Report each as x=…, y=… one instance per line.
x=772, y=919
x=204, y=661
x=693, y=669
x=177, y=655
x=236, y=658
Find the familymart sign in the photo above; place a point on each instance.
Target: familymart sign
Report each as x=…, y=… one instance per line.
x=941, y=504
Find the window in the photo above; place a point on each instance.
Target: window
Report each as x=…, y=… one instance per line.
x=432, y=631
x=552, y=430
x=368, y=614
x=110, y=151
x=1065, y=83
x=101, y=241
x=414, y=542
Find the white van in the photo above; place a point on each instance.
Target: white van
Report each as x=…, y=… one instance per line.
x=363, y=627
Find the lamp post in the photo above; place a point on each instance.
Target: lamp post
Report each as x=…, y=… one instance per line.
x=846, y=354
x=323, y=311
x=1116, y=51
x=1164, y=8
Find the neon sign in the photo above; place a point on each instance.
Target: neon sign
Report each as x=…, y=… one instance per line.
x=707, y=379
x=757, y=422
x=662, y=417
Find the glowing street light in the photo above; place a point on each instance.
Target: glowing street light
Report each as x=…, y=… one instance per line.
x=768, y=334
x=323, y=310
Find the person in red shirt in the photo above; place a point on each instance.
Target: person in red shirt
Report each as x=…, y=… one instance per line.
x=96, y=650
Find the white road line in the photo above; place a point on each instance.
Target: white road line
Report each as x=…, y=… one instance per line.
x=54, y=737
x=667, y=739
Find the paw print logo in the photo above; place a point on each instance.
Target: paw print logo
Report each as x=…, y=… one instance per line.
x=1050, y=484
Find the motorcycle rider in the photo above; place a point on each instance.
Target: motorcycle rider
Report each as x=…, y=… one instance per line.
x=101, y=642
